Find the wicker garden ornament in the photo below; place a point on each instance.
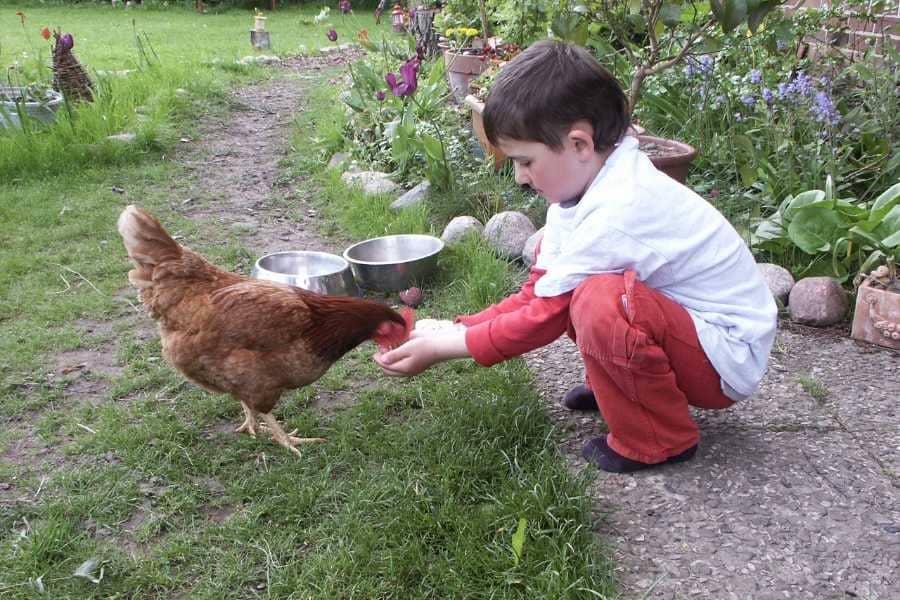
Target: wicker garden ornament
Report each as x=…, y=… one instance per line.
x=69, y=77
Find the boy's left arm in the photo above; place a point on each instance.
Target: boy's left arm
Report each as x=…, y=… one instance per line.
x=506, y=336
x=535, y=324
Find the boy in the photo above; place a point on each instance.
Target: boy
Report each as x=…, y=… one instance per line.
x=657, y=289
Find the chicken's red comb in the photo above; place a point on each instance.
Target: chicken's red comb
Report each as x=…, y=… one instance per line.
x=409, y=315
x=395, y=338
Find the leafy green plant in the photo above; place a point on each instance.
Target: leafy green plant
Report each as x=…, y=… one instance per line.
x=834, y=236
x=400, y=124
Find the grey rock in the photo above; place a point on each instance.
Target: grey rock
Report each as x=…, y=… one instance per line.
x=332, y=49
x=818, y=301
x=125, y=138
x=262, y=59
x=372, y=182
x=242, y=227
x=530, y=245
x=779, y=280
x=458, y=227
x=413, y=196
x=507, y=233
x=337, y=159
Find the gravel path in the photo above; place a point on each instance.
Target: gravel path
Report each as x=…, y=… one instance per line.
x=789, y=496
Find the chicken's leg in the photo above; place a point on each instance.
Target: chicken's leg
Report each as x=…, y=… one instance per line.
x=288, y=441
x=250, y=424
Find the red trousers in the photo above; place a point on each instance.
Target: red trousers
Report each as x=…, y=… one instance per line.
x=644, y=364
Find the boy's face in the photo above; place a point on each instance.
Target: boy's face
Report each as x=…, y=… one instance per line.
x=557, y=175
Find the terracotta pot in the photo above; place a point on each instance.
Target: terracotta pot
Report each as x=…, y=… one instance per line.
x=477, y=107
x=461, y=70
x=876, y=317
x=669, y=156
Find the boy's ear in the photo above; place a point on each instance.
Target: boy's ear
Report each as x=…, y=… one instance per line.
x=582, y=138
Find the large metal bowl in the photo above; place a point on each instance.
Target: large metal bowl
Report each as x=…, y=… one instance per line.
x=393, y=262
x=314, y=271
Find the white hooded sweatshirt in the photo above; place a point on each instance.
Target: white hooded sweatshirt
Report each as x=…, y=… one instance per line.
x=634, y=217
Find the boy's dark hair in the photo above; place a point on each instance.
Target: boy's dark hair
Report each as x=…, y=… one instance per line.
x=542, y=92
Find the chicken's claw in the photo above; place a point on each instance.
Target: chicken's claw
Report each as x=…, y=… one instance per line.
x=288, y=441
x=250, y=424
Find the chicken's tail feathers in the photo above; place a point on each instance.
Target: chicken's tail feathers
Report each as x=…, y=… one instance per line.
x=147, y=243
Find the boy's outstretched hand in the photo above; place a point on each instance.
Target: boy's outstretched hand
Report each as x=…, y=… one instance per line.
x=424, y=348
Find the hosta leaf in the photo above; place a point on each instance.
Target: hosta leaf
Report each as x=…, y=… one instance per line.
x=886, y=201
x=815, y=229
x=804, y=199
x=889, y=225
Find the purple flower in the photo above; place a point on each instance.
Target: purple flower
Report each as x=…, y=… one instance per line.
x=66, y=41
x=755, y=76
x=784, y=90
x=380, y=95
x=780, y=45
x=824, y=81
x=768, y=96
x=706, y=65
x=408, y=72
x=689, y=69
x=332, y=35
x=345, y=7
x=748, y=100
x=802, y=84
x=825, y=111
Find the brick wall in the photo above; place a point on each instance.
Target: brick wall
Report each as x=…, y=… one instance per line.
x=856, y=34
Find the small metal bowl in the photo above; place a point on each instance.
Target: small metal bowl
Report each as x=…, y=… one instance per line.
x=314, y=271
x=393, y=262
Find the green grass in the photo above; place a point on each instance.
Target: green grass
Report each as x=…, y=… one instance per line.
x=420, y=487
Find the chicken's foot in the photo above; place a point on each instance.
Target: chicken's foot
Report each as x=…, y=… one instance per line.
x=250, y=423
x=288, y=441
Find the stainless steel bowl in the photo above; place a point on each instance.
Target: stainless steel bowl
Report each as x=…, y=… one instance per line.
x=393, y=262
x=314, y=271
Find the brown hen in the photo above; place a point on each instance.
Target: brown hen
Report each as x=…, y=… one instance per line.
x=248, y=338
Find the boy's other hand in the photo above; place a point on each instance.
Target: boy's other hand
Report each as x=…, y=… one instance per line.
x=422, y=351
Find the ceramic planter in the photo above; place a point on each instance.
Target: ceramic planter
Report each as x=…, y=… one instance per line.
x=876, y=317
x=461, y=70
x=669, y=156
x=477, y=107
x=10, y=107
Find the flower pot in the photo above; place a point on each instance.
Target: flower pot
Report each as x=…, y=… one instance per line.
x=669, y=156
x=11, y=105
x=477, y=107
x=876, y=317
x=461, y=70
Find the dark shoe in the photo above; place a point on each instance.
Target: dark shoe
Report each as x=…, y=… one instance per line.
x=580, y=397
x=606, y=459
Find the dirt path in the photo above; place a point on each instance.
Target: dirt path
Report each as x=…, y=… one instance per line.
x=788, y=496
x=236, y=172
